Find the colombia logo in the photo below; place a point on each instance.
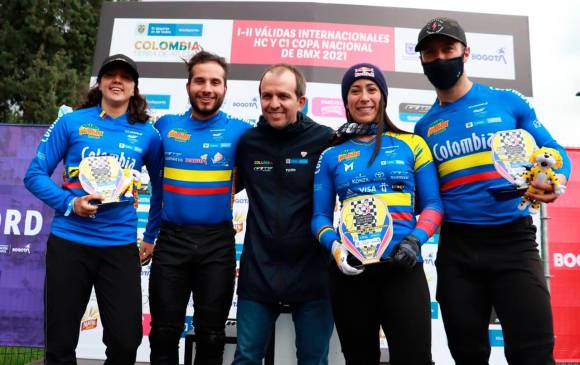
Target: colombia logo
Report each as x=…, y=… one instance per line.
x=91, y=130
x=179, y=135
x=439, y=126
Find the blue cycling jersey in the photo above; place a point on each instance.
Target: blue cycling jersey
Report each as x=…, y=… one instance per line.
x=402, y=174
x=199, y=167
x=90, y=132
x=459, y=135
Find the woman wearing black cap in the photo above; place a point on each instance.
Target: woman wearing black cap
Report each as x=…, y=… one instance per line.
x=90, y=245
x=397, y=168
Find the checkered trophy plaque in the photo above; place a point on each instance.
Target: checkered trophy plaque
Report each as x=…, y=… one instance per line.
x=103, y=175
x=511, y=151
x=366, y=227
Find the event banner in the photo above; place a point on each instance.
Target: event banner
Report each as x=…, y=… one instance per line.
x=323, y=40
x=24, y=227
x=564, y=251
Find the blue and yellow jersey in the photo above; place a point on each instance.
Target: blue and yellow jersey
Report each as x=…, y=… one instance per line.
x=199, y=167
x=459, y=135
x=403, y=174
x=90, y=132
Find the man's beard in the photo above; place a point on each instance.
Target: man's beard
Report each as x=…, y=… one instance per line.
x=206, y=112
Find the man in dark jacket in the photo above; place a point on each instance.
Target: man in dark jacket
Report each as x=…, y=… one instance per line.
x=282, y=264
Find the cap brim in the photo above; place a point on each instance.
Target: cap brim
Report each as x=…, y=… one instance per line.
x=119, y=63
x=420, y=44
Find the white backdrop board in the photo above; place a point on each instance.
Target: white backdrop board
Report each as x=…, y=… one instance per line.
x=323, y=40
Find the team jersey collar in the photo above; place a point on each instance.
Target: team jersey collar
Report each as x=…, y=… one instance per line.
x=202, y=124
x=103, y=115
x=464, y=99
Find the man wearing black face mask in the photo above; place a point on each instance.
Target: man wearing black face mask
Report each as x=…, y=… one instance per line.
x=488, y=253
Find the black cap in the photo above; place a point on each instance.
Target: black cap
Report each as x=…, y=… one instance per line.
x=119, y=60
x=441, y=26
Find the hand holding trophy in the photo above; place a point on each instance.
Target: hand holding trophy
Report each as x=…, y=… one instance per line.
x=104, y=176
x=511, y=151
x=366, y=227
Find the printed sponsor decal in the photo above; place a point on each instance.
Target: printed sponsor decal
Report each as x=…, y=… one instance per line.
x=263, y=165
x=364, y=72
x=411, y=112
x=90, y=319
x=496, y=338
x=563, y=260
x=439, y=126
x=451, y=149
x=91, y=130
x=348, y=155
x=179, y=134
x=328, y=107
x=217, y=145
x=296, y=161
x=24, y=250
x=161, y=102
x=497, y=56
x=4, y=249
x=247, y=104
x=200, y=160
x=168, y=40
x=172, y=29
x=311, y=43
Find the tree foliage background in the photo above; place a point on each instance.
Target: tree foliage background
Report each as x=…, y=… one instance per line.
x=46, y=53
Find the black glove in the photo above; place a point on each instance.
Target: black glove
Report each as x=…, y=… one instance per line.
x=406, y=254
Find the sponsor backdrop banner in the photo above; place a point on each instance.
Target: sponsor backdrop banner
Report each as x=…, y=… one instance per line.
x=564, y=251
x=24, y=226
x=323, y=39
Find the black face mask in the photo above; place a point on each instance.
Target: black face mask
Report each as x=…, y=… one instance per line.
x=443, y=74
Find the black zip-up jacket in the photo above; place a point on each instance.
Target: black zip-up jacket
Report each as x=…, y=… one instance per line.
x=281, y=261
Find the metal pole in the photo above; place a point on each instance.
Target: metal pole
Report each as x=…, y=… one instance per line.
x=544, y=244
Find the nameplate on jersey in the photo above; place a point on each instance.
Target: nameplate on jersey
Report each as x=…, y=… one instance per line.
x=511, y=152
x=103, y=175
x=366, y=227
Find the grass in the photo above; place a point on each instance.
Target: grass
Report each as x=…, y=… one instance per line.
x=19, y=355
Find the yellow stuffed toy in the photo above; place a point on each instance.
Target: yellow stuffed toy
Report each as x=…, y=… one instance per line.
x=544, y=160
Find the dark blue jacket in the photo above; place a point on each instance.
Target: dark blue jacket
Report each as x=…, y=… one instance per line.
x=281, y=261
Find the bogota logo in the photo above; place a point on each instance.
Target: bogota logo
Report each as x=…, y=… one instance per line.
x=438, y=127
x=179, y=134
x=91, y=130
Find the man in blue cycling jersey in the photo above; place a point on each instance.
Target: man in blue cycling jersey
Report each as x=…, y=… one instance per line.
x=195, y=249
x=488, y=254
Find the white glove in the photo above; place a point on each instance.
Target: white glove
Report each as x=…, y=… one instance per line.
x=560, y=189
x=340, y=253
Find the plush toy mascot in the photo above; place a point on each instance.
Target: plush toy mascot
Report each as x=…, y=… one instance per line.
x=544, y=160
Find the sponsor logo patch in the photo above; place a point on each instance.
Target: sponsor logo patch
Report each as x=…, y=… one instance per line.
x=90, y=130
x=438, y=127
x=179, y=135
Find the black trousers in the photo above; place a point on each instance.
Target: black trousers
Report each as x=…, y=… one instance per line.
x=384, y=296
x=483, y=266
x=197, y=260
x=72, y=270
